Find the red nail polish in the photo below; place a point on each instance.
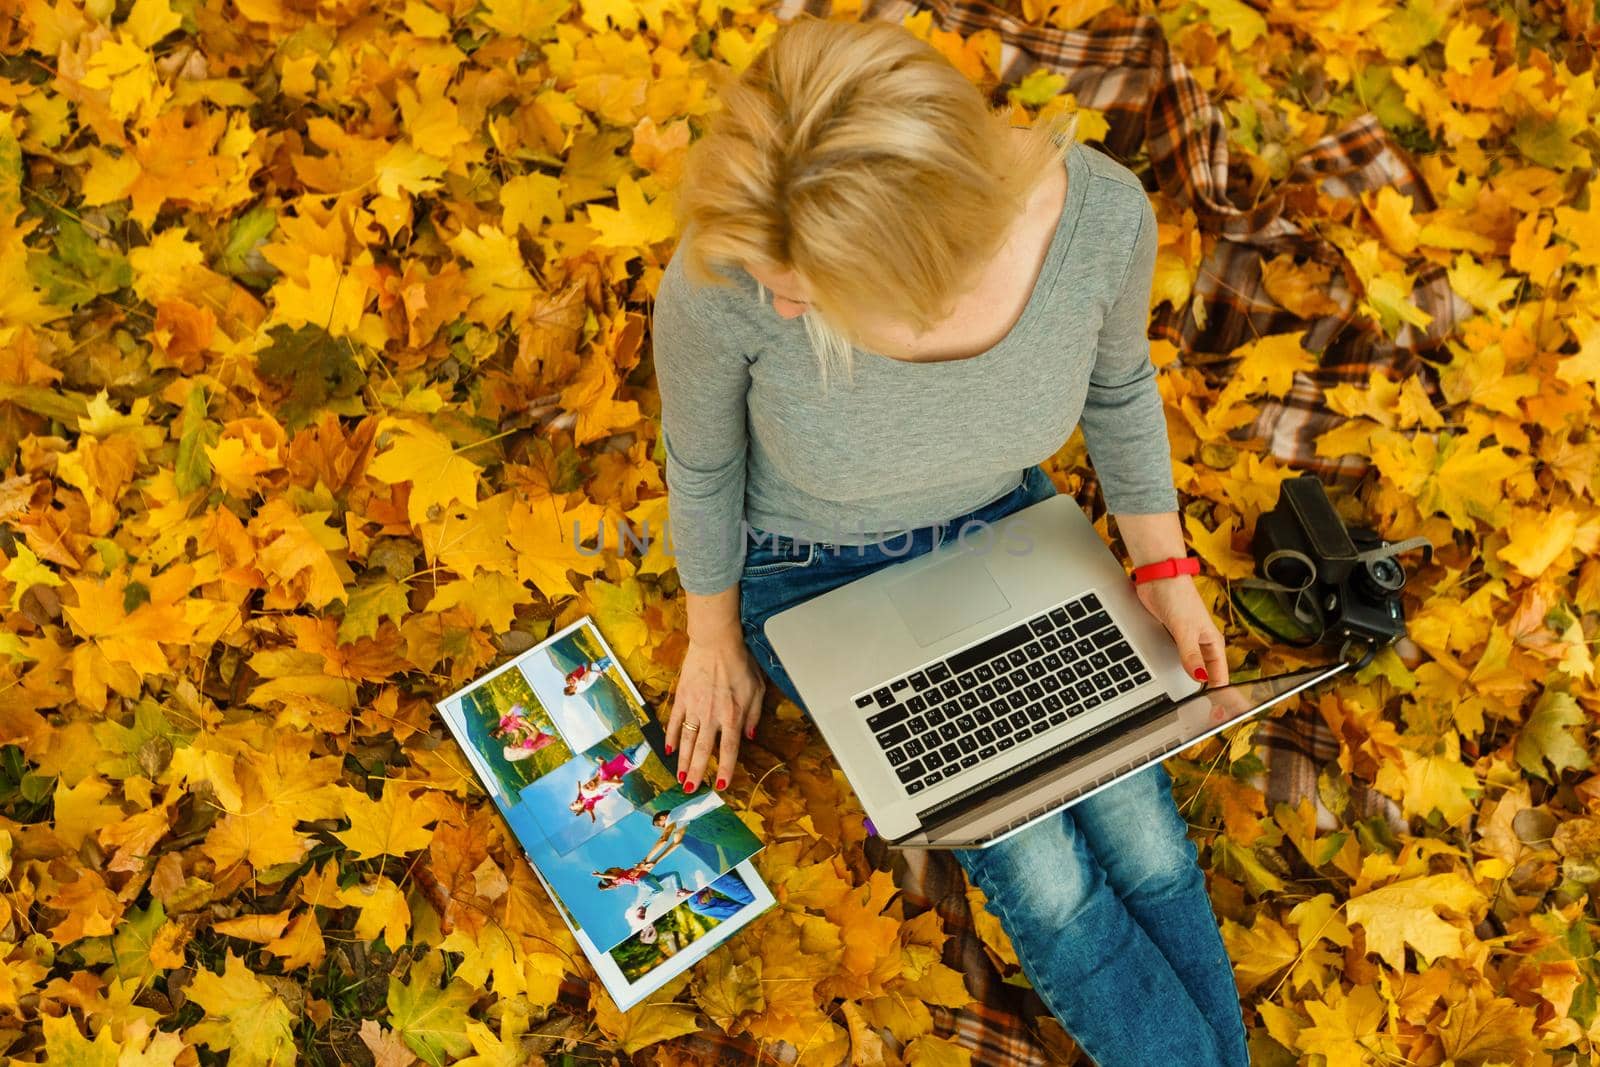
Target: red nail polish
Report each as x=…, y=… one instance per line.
x=680, y=777
x=689, y=788
x=722, y=784
x=1200, y=674
x=669, y=750
x=751, y=733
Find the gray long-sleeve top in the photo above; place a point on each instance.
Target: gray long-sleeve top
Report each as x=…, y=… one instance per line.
x=750, y=434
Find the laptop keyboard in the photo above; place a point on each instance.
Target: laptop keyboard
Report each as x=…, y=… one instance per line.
x=947, y=717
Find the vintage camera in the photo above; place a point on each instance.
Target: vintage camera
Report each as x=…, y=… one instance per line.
x=1343, y=583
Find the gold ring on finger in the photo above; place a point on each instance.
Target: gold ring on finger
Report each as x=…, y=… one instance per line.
x=691, y=726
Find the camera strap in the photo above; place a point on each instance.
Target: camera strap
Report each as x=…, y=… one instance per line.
x=1298, y=599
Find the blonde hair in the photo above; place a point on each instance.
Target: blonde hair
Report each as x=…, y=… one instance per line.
x=857, y=156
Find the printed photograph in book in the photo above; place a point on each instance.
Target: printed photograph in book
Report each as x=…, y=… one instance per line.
x=647, y=858
x=582, y=687
x=656, y=954
x=597, y=788
x=658, y=938
x=512, y=733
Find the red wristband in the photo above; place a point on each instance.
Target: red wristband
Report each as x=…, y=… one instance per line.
x=1166, y=568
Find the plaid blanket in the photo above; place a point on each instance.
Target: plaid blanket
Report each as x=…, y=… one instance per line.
x=1158, y=113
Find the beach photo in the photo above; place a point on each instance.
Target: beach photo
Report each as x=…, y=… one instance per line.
x=582, y=686
x=596, y=789
x=659, y=938
x=508, y=732
x=643, y=859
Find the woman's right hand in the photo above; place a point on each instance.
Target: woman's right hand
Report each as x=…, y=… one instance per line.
x=720, y=689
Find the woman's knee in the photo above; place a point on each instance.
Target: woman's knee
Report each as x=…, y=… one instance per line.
x=1040, y=878
x=1138, y=835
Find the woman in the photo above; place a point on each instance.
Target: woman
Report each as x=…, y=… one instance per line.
x=606, y=780
x=582, y=677
x=972, y=291
x=522, y=736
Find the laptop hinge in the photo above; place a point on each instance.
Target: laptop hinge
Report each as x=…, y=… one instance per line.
x=1019, y=777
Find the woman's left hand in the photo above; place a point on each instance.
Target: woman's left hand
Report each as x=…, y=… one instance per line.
x=1177, y=604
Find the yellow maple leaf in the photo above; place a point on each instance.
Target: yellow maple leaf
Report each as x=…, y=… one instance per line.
x=1584, y=366
x=498, y=280
x=530, y=19
x=1259, y=951
x=1483, y=285
x=491, y=1050
x=150, y=20
x=64, y=1043
x=1269, y=365
x=592, y=398
x=1346, y=1027
x=301, y=945
x=331, y=295
x=619, y=611
x=492, y=598
x=392, y=825
x=244, y=1017
x=738, y=50
x=1582, y=228
x=89, y=908
x=406, y=167
x=1216, y=547
x=496, y=955
x=529, y=201
x=635, y=222
x=438, y=473
x=1531, y=250
x=302, y=552
x=931, y=1051
x=24, y=571
x=1404, y=913
x=546, y=537
x=125, y=66
x=1538, y=538
x=1392, y=213
x=1449, y=473
x=1432, y=780
x=133, y=637
x=470, y=540
x=259, y=927
x=383, y=911
x=641, y=1026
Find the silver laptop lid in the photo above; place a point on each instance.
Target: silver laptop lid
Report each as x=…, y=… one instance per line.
x=1084, y=765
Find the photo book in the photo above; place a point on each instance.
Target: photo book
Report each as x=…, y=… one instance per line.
x=649, y=878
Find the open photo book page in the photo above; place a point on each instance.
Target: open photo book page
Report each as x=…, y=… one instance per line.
x=563, y=742
x=671, y=943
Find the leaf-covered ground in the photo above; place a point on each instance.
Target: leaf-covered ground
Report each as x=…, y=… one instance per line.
x=322, y=324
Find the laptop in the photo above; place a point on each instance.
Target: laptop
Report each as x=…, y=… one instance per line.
x=1001, y=677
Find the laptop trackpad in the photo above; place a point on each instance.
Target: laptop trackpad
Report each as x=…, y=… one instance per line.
x=946, y=597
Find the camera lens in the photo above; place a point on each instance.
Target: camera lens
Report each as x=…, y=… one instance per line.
x=1383, y=575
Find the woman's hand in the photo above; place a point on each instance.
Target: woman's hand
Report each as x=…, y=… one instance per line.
x=719, y=697
x=1177, y=604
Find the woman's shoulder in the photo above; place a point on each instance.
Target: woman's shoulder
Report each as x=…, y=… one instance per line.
x=1109, y=177
x=697, y=321
x=729, y=293
x=1115, y=203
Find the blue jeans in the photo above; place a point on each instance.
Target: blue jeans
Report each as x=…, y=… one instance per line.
x=1104, y=902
